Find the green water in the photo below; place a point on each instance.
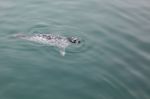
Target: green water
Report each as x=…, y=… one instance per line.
x=113, y=62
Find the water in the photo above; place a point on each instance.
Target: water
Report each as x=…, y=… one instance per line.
x=112, y=63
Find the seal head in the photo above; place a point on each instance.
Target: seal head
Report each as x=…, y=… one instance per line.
x=74, y=40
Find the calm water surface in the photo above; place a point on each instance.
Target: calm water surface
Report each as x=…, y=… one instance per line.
x=112, y=63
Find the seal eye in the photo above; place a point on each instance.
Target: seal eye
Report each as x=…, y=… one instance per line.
x=74, y=41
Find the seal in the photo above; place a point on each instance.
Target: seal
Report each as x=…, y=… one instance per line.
x=58, y=41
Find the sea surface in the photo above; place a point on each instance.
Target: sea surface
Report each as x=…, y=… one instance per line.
x=113, y=61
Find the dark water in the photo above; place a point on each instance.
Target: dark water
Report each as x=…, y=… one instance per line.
x=113, y=62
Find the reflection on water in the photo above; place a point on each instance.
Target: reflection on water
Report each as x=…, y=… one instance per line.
x=111, y=63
